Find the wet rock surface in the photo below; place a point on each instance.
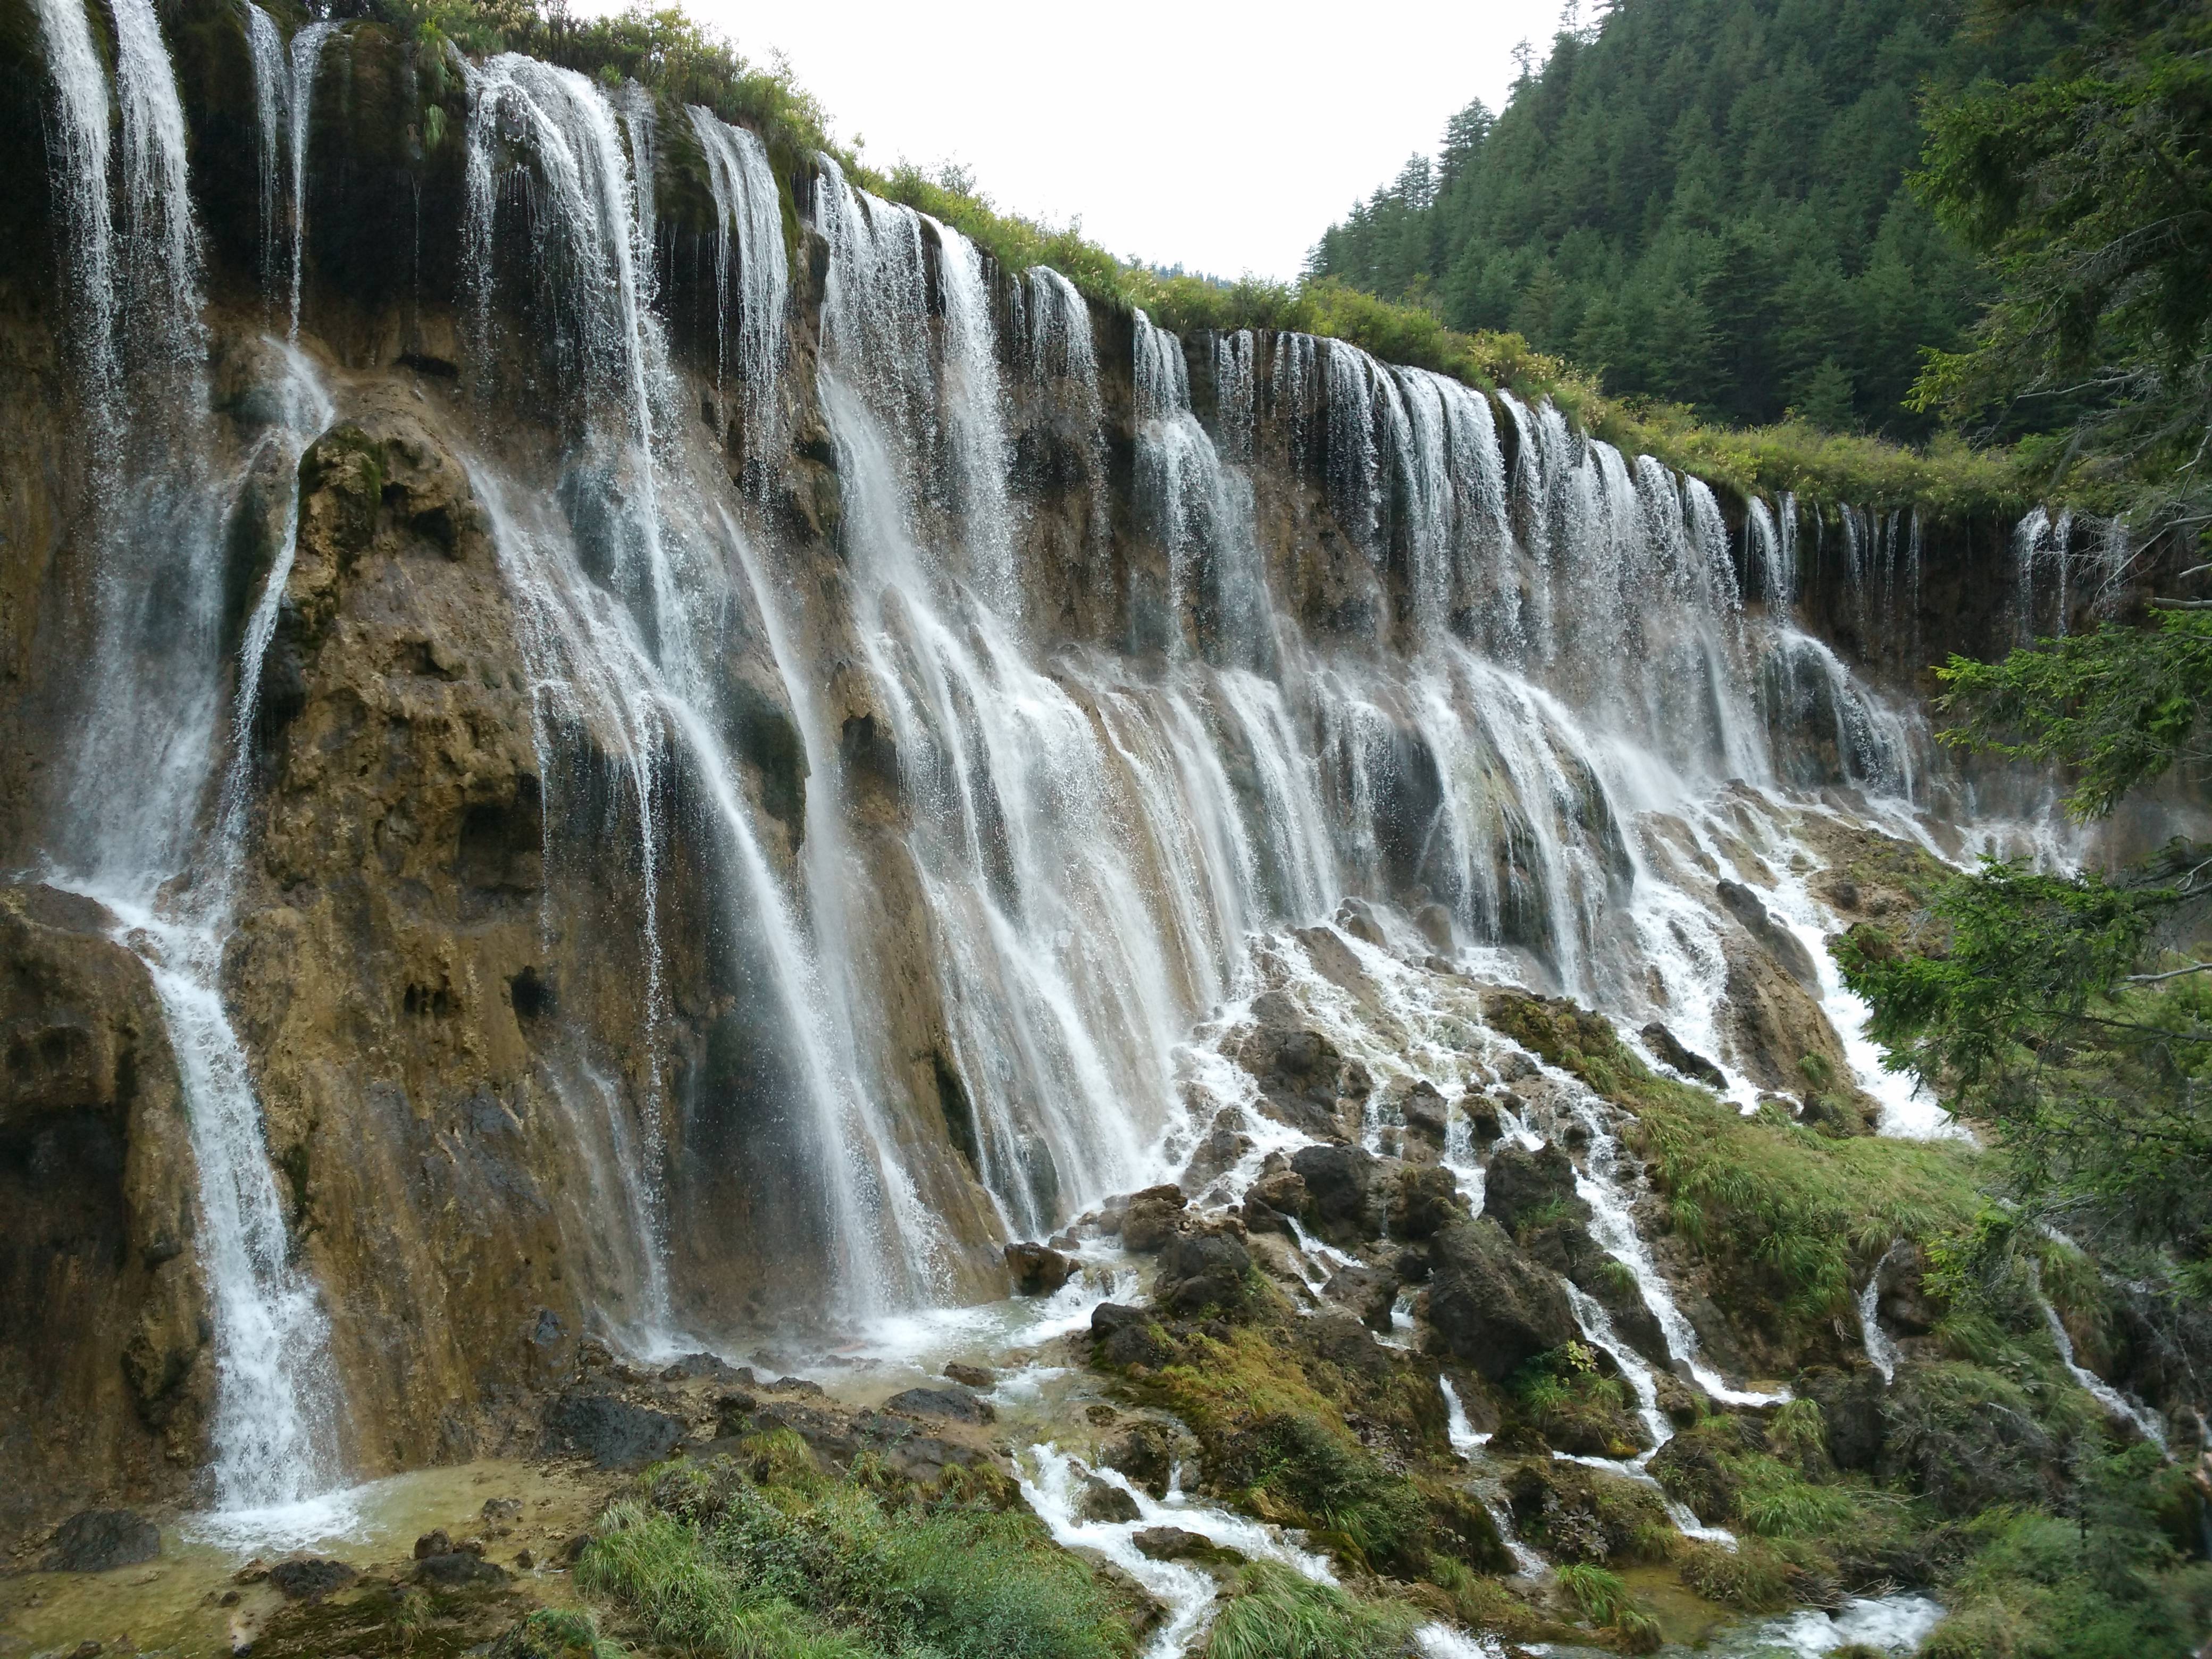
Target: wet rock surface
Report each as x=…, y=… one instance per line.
x=957, y=1404
x=612, y=1432
x=1037, y=1270
x=101, y=1540
x=1488, y=1305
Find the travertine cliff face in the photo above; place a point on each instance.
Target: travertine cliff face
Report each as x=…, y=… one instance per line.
x=705, y=842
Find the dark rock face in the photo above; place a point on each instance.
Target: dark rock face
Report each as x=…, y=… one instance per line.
x=106, y=1374
x=1339, y=1204
x=1153, y=1217
x=311, y=1579
x=1690, y=1063
x=1851, y=1409
x=957, y=1404
x=1202, y=1272
x=1522, y=1187
x=1302, y=1077
x=101, y=1540
x=1037, y=1270
x=611, y=1431
x=1488, y=1305
x=1128, y=1336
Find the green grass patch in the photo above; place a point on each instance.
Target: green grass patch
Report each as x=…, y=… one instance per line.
x=1272, y=1612
x=708, y=1562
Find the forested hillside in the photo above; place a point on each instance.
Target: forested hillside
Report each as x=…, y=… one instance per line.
x=1705, y=199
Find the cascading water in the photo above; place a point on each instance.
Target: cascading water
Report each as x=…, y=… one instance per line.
x=155, y=813
x=750, y=273
x=79, y=169
x=305, y=58
x=284, y=91
x=625, y=651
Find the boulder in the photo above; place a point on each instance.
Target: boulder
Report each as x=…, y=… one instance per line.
x=1103, y=1501
x=1128, y=1336
x=1482, y=1112
x=1271, y=1201
x=613, y=1432
x=1304, y=1079
x=1218, y=1151
x=1488, y=1305
x=1522, y=1187
x=1427, y=1202
x=1037, y=1270
x=1689, y=1062
x=1426, y=1116
x=311, y=1578
x=456, y=1570
x=1368, y=1292
x=971, y=1377
x=1146, y=1453
x=1204, y=1271
x=1152, y=1218
x=692, y=1367
x=957, y=1404
x=101, y=1540
x=1337, y=1201
x=1173, y=1544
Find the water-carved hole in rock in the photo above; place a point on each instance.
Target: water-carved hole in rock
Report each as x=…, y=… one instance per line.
x=432, y=1001
x=535, y=1000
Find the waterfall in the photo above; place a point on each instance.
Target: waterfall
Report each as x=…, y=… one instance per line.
x=628, y=653
x=307, y=57
x=1055, y=812
x=161, y=246
x=750, y=271
x=1880, y=1349
x=283, y=91
x=2134, y=1412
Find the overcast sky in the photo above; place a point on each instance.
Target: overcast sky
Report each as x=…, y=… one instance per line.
x=1222, y=134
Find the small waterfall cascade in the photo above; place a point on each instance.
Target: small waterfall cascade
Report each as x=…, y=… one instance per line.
x=299, y=102
x=1880, y=1347
x=751, y=275
x=284, y=91
x=2132, y=1412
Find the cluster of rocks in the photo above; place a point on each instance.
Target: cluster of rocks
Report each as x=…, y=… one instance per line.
x=701, y=1406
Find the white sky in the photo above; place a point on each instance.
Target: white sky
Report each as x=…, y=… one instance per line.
x=1223, y=134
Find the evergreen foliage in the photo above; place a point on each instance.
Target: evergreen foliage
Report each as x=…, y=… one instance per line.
x=1706, y=200
x=2089, y=188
